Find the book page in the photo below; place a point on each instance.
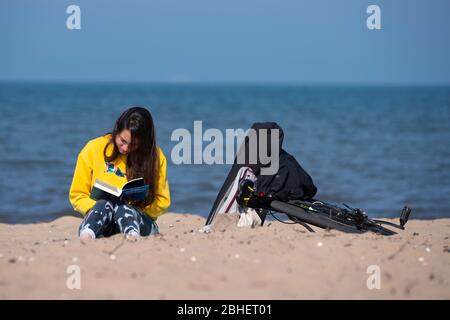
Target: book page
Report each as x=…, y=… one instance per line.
x=107, y=187
x=139, y=182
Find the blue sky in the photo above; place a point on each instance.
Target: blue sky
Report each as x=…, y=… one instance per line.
x=232, y=41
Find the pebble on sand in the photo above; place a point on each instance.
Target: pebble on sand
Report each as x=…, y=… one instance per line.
x=112, y=257
x=193, y=259
x=319, y=244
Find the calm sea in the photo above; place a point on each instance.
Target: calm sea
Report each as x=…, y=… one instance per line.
x=376, y=148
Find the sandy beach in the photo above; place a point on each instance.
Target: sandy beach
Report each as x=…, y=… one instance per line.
x=276, y=261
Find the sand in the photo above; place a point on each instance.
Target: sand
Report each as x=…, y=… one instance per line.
x=276, y=261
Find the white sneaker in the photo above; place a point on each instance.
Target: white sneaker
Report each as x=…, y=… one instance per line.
x=132, y=233
x=87, y=234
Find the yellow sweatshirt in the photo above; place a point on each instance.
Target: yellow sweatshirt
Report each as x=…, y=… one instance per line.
x=91, y=165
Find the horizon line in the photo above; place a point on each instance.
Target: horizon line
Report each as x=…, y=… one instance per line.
x=227, y=83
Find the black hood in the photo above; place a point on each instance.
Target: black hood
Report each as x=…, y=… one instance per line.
x=245, y=147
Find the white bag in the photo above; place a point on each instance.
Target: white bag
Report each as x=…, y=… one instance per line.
x=249, y=219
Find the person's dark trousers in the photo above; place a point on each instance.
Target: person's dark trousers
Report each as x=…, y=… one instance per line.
x=106, y=219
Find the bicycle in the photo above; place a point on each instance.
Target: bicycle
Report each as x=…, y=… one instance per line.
x=317, y=213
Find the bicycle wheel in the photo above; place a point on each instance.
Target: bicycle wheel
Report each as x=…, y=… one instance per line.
x=378, y=229
x=315, y=218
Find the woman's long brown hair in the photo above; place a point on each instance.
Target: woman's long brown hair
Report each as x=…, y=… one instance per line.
x=143, y=159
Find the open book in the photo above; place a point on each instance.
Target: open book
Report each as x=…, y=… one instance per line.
x=135, y=189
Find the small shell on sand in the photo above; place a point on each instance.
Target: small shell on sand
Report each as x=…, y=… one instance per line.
x=193, y=259
x=182, y=249
x=236, y=256
x=319, y=244
x=112, y=257
x=421, y=259
x=428, y=249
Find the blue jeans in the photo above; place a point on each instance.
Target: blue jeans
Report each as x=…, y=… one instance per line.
x=106, y=219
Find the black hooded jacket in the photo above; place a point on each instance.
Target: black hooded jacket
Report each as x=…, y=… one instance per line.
x=289, y=183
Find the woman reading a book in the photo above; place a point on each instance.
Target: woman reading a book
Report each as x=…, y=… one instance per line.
x=128, y=152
